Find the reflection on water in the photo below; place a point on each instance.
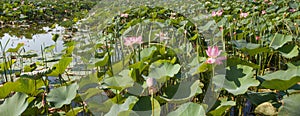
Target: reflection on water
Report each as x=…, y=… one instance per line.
x=37, y=40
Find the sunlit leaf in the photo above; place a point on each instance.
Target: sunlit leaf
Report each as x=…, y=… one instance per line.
x=15, y=105
x=162, y=71
x=120, y=82
x=289, y=51
x=182, y=92
x=189, y=109
x=278, y=40
x=61, y=66
x=290, y=106
x=6, y=89
x=237, y=80
x=144, y=106
x=282, y=79
x=16, y=49
x=128, y=105
x=220, y=110
x=62, y=95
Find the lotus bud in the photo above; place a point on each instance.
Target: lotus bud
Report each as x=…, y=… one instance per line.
x=151, y=82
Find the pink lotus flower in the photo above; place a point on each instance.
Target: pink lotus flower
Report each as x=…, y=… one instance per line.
x=151, y=84
x=243, y=15
x=213, y=53
x=213, y=13
x=257, y=38
x=124, y=15
x=218, y=13
x=221, y=28
x=292, y=10
x=263, y=12
x=130, y=41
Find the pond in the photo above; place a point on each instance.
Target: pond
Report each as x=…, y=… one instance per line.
x=149, y=57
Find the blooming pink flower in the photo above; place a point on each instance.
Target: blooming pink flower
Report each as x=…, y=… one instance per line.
x=213, y=53
x=151, y=82
x=213, y=13
x=292, y=10
x=130, y=41
x=263, y=12
x=221, y=28
x=220, y=12
x=124, y=15
x=257, y=38
x=243, y=15
x=15, y=9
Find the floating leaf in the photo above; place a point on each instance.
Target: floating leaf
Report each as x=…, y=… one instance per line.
x=16, y=49
x=237, y=80
x=15, y=105
x=62, y=95
x=189, y=109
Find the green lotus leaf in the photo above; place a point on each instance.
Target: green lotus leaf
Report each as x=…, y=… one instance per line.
x=74, y=111
x=62, y=95
x=224, y=106
x=189, y=109
x=6, y=89
x=278, y=40
x=15, y=105
x=289, y=51
x=182, y=91
x=16, y=49
x=257, y=98
x=61, y=66
x=121, y=81
x=128, y=113
x=162, y=71
x=28, y=86
x=290, y=106
x=144, y=106
x=237, y=80
x=127, y=105
x=282, y=79
x=103, y=61
x=238, y=61
x=147, y=53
